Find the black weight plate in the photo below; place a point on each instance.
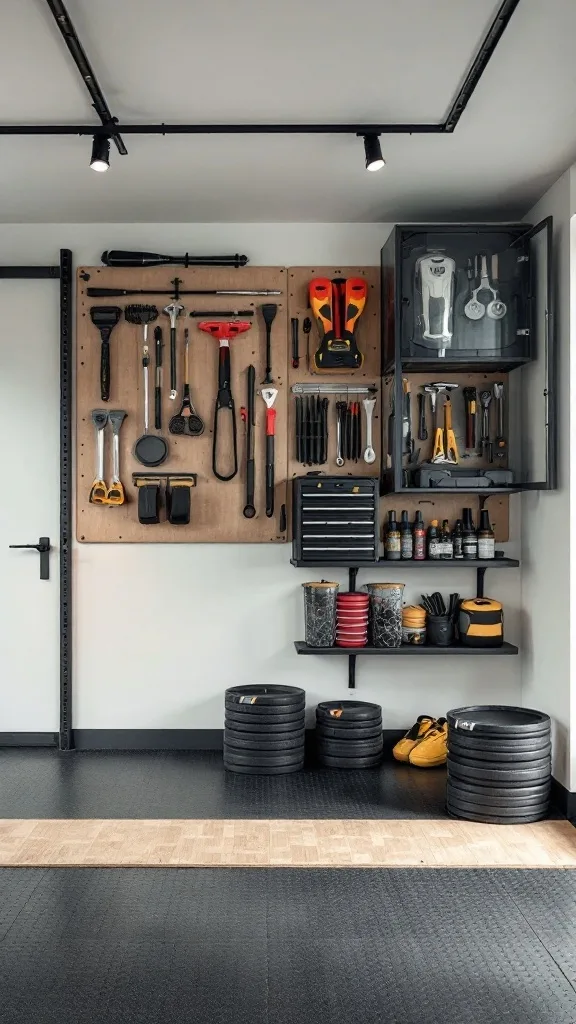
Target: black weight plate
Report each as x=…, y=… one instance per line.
x=351, y=763
x=278, y=696
x=233, y=756
x=503, y=778
x=504, y=766
x=494, y=819
x=484, y=800
x=247, y=741
x=499, y=756
x=256, y=727
x=498, y=720
x=502, y=812
x=467, y=786
x=510, y=745
x=363, y=731
x=247, y=769
x=351, y=711
x=352, y=748
x=264, y=709
x=240, y=716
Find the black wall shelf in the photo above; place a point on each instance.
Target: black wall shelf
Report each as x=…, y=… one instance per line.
x=406, y=649
x=425, y=563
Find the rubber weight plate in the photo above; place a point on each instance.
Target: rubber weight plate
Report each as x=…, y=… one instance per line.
x=249, y=725
x=255, y=696
x=348, y=711
x=352, y=748
x=542, y=790
x=459, y=795
x=502, y=812
x=360, y=732
x=499, y=756
x=494, y=819
x=351, y=763
x=504, y=745
x=264, y=709
x=498, y=720
x=246, y=769
x=470, y=762
x=503, y=778
x=235, y=716
x=247, y=741
x=234, y=756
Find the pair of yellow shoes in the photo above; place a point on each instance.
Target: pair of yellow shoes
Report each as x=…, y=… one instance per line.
x=425, y=744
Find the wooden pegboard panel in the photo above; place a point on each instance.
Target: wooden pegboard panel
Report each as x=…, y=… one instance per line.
x=216, y=514
x=447, y=506
x=368, y=335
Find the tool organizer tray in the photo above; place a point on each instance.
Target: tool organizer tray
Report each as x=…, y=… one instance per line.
x=216, y=507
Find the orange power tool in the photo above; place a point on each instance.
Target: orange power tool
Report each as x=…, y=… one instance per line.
x=337, y=307
x=224, y=330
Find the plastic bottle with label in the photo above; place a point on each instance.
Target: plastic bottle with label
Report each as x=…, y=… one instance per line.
x=419, y=534
x=392, y=544
x=446, y=542
x=458, y=538
x=434, y=550
x=469, y=538
x=485, y=536
x=406, y=537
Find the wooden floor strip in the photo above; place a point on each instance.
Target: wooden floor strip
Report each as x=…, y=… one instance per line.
x=285, y=843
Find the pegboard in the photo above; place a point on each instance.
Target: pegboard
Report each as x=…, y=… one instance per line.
x=216, y=506
x=368, y=338
x=448, y=506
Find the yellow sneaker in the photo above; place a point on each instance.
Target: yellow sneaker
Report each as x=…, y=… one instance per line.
x=432, y=749
x=414, y=735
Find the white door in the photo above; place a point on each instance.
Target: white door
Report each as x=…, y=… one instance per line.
x=29, y=444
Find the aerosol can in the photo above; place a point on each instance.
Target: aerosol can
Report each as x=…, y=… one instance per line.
x=435, y=280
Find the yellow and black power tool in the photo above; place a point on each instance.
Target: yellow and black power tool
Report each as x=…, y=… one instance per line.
x=481, y=623
x=337, y=306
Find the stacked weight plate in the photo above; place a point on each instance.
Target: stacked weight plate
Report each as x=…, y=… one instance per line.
x=264, y=730
x=348, y=734
x=498, y=764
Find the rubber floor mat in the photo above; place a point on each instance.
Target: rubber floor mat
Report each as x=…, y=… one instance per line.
x=289, y=947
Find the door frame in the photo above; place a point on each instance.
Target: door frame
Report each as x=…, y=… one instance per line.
x=62, y=273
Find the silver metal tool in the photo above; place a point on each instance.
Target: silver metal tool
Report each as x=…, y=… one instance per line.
x=500, y=436
x=436, y=274
x=340, y=414
x=474, y=308
x=173, y=311
x=485, y=443
x=440, y=453
x=369, y=453
x=116, y=494
x=99, y=490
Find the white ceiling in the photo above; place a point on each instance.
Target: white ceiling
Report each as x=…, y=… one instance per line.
x=287, y=60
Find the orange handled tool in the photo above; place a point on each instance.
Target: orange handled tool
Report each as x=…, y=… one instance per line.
x=224, y=331
x=451, y=446
x=269, y=395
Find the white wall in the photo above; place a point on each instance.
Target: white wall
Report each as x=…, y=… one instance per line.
x=161, y=630
x=546, y=534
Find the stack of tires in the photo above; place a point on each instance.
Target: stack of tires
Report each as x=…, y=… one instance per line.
x=348, y=734
x=264, y=730
x=499, y=768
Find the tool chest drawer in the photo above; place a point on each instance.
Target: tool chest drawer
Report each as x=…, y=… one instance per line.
x=335, y=520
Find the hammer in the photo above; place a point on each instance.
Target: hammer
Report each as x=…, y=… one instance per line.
x=438, y=452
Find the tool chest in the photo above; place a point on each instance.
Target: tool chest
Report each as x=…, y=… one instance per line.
x=468, y=360
x=335, y=520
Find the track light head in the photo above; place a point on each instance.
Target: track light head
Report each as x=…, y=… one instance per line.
x=100, y=160
x=374, y=159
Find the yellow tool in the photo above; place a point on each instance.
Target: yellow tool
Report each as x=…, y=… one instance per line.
x=99, y=490
x=451, y=446
x=116, y=494
x=439, y=453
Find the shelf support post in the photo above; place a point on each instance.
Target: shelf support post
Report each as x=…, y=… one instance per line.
x=352, y=574
x=352, y=672
x=480, y=573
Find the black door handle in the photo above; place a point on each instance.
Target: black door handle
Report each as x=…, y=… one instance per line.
x=43, y=547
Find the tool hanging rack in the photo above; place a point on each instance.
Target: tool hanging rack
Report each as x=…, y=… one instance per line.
x=333, y=389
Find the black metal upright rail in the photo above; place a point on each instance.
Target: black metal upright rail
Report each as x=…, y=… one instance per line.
x=63, y=274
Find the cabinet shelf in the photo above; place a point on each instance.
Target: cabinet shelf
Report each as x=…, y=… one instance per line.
x=425, y=563
x=407, y=649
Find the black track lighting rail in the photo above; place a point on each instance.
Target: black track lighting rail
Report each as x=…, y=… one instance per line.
x=114, y=130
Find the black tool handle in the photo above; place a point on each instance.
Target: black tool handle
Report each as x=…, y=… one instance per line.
x=123, y=258
x=249, y=510
x=107, y=293
x=295, y=353
x=269, y=475
x=173, y=359
x=422, y=432
x=105, y=371
x=158, y=407
x=224, y=400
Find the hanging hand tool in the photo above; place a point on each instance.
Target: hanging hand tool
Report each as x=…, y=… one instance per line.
x=192, y=424
x=500, y=437
x=107, y=293
x=299, y=410
x=269, y=395
x=340, y=427
x=150, y=449
x=294, y=324
x=248, y=415
x=99, y=491
x=474, y=308
x=120, y=258
x=141, y=315
x=158, y=384
x=470, y=405
x=324, y=419
x=306, y=328
x=485, y=442
x=337, y=307
x=269, y=311
x=226, y=314
x=173, y=311
x=116, y=494
x=439, y=452
x=451, y=447
x=105, y=319
x=422, y=432
x=369, y=453
x=407, y=440
x=224, y=331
